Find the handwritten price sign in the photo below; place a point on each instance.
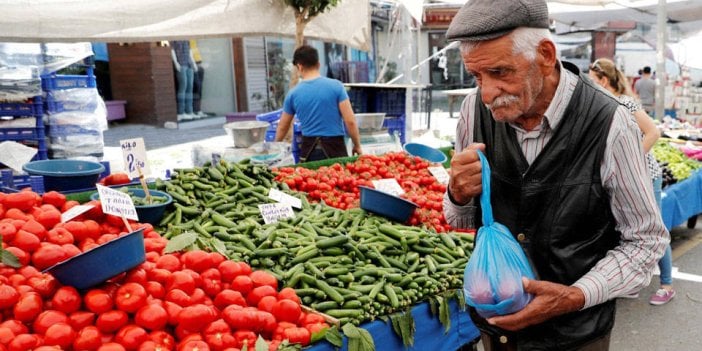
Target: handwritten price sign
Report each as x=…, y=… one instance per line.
x=134, y=155
x=117, y=203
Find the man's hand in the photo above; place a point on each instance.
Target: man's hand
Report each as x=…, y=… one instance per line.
x=550, y=300
x=357, y=150
x=466, y=181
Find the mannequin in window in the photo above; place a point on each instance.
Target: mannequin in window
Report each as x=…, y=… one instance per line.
x=185, y=67
x=443, y=65
x=198, y=78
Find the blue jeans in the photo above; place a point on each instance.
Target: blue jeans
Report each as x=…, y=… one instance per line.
x=665, y=264
x=184, y=94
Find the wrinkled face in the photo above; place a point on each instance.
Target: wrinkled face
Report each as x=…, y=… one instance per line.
x=508, y=82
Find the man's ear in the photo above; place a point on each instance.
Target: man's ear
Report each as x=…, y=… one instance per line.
x=546, y=56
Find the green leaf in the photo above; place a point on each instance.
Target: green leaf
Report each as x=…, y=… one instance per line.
x=384, y=318
x=245, y=347
x=351, y=331
x=395, y=321
x=318, y=335
x=261, y=345
x=432, y=305
x=444, y=314
x=218, y=246
x=9, y=259
x=181, y=242
x=334, y=337
x=461, y=299
x=404, y=327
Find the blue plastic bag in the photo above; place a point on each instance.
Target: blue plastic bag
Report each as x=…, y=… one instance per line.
x=492, y=280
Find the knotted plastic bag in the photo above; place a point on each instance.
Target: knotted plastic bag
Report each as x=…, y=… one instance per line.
x=492, y=279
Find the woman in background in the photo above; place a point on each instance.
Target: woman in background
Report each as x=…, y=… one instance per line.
x=605, y=73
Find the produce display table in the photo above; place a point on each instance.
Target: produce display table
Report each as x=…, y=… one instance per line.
x=430, y=333
x=682, y=200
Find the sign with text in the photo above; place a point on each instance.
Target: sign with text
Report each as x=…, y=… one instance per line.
x=277, y=195
x=117, y=203
x=274, y=212
x=440, y=174
x=134, y=155
x=388, y=185
x=74, y=212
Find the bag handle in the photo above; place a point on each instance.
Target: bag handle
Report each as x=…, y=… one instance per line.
x=485, y=206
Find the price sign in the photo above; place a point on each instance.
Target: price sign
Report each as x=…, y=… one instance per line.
x=74, y=212
x=274, y=212
x=389, y=185
x=134, y=155
x=277, y=195
x=440, y=174
x=116, y=203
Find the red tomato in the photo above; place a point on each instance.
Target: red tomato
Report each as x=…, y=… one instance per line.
x=28, y=307
x=48, y=318
x=242, y=284
x=130, y=297
x=193, y=345
x=6, y=335
x=131, y=336
x=196, y=317
x=24, y=342
x=229, y=297
x=88, y=338
x=111, y=346
x=261, y=278
x=267, y=304
x=286, y=311
x=111, y=321
x=151, y=317
x=98, y=301
x=81, y=319
x=197, y=260
x=66, y=299
x=60, y=334
x=181, y=280
x=258, y=293
x=8, y=296
x=297, y=335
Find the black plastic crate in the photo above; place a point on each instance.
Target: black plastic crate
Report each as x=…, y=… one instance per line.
x=359, y=100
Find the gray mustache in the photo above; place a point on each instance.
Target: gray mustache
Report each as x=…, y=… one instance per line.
x=503, y=100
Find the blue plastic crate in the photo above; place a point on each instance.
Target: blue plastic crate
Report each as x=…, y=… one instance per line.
x=270, y=116
x=17, y=134
x=63, y=130
x=67, y=81
x=14, y=183
x=33, y=108
x=396, y=125
x=390, y=101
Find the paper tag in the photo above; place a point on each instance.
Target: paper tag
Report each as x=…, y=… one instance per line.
x=134, y=155
x=277, y=195
x=389, y=185
x=440, y=174
x=116, y=203
x=274, y=212
x=74, y=212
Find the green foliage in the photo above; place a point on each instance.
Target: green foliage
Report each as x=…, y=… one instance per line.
x=311, y=8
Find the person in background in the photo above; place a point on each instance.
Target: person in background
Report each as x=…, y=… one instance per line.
x=323, y=108
x=645, y=88
x=185, y=67
x=102, y=70
x=199, y=76
x=633, y=82
x=568, y=179
x=604, y=72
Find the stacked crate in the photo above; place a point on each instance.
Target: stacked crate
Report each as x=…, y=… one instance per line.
x=76, y=114
x=273, y=118
x=22, y=122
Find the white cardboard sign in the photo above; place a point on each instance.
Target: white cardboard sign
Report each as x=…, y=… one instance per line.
x=117, y=203
x=440, y=174
x=74, y=212
x=274, y=212
x=388, y=185
x=277, y=195
x=134, y=156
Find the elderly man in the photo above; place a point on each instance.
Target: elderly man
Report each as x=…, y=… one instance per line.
x=568, y=179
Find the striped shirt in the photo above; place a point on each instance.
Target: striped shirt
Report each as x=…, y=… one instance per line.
x=628, y=267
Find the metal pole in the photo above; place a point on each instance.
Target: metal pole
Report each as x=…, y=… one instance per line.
x=661, y=75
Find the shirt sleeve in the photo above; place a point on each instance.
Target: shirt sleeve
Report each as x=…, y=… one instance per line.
x=288, y=104
x=342, y=94
x=628, y=267
x=459, y=216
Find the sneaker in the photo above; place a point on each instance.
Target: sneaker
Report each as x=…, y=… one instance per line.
x=662, y=296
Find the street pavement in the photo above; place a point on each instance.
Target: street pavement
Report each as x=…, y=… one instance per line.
x=639, y=326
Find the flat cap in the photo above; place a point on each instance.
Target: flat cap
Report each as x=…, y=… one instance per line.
x=480, y=20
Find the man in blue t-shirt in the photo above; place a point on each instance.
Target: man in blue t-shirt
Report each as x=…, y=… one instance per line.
x=323, y=108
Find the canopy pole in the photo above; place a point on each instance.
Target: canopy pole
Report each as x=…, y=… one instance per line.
x=661, y=74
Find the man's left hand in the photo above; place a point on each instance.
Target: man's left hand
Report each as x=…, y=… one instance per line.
x=550, y=300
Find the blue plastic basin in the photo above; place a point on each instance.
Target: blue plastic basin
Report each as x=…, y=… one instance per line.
x=386, y=205
x=147, y=213
x=101, y=263
x=64, y=175
x=426, y=152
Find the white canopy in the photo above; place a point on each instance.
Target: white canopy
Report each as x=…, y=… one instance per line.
x=153, y=20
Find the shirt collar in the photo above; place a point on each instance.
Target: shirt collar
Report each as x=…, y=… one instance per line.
x=564, y=92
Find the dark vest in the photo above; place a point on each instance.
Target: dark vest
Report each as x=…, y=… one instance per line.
x=559, y=204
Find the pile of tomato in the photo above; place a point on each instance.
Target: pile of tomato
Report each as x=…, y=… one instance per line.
x=337, y=185
x=181, y=301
